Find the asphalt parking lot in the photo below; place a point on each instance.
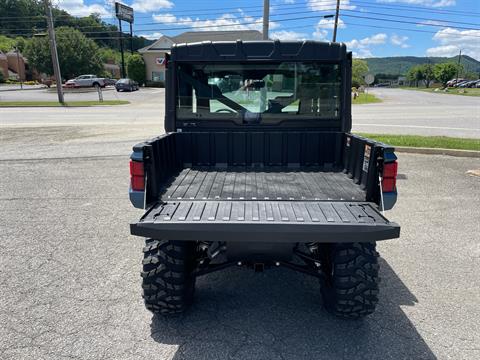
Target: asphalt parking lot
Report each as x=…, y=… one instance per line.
x=69, y=270
x=401, y=112
x=419, y=113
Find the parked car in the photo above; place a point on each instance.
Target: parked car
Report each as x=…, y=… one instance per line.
x=461, y=83
x=86, y=81
x=126, y=84
x=454, y=82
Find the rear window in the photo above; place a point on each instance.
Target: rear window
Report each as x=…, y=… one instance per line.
x=259, y=91
x=123, y=81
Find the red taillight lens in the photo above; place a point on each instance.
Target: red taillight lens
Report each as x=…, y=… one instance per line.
x=389, y=181
x=137, y=174
x=390, y=170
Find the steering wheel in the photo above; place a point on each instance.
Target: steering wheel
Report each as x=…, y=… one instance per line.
x=225, y=110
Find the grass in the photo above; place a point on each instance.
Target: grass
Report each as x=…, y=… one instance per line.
x=451, y=91
x=441, y=142
x=57, y=104
x=366, y=99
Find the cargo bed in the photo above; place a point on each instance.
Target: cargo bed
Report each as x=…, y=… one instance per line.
x=287, y=187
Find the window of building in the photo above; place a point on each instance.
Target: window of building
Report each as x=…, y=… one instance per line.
x=158, y=76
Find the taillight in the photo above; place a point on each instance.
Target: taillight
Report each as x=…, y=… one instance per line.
x=389, y=181
x=137, y=175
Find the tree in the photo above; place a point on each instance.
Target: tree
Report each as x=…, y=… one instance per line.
x=427, y=74
x=445, y=72
x=136, y=68
x=76, y=54
x=359, y=70
x=415, y=74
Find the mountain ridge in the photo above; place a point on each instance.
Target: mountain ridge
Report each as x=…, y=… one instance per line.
x=399, y=65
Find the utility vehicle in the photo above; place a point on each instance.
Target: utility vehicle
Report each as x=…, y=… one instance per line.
x=258, y=169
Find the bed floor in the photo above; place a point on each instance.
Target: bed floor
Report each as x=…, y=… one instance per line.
x=239, y=183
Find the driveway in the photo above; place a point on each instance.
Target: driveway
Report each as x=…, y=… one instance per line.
x=419, y=113
x=69, y=270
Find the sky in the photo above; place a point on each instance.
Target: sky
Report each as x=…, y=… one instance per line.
x=370, y=28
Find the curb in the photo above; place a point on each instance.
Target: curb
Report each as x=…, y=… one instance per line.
x=438, y=151
x=27, y=89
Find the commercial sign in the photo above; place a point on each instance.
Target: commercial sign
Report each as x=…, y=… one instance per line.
x=124, y=12
x=160, y=61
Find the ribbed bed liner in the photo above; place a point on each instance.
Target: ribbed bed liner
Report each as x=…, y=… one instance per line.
x=240, y=183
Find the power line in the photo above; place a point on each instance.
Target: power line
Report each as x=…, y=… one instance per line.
x=288, y=6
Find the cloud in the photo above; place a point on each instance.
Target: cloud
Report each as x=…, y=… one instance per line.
x=399, y=40
x=288, y=35
x=322, y=5
x=451, y=41
x=79, y=8
x=432, y=23
x=427, y=3
x=361, y=48
x=330, y=24
x=167, y=18
x=144, y=6
x=152, y=36
x=289, y=1
x=225, y=22
x=322, y=27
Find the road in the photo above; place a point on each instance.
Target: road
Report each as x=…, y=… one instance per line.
x=419, y=113
x=69, y=270
x=401, y=112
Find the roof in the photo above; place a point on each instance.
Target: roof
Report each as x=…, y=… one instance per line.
x=255, y=50
x=198, y=36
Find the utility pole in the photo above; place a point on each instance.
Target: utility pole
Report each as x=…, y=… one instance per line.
x=458, y=65
x=337, y=11
x=121, y=46
x=266, y=15
x=131, y=38
x=53, y=51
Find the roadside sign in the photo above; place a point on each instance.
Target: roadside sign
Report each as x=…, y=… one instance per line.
x=369, y=79
x=124, y=12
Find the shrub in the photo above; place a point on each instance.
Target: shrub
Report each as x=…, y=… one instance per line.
x=136, y=68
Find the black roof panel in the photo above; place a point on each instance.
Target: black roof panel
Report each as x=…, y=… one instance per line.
x=263, y=50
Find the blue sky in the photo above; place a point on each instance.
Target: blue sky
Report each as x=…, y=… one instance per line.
x=369, y=27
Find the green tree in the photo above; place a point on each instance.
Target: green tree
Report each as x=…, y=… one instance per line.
x=359, y=70
x=108, y=55
x=76, y=54
x=427, y=74
x=415, y=74
x=445, y=72
x=136, y=68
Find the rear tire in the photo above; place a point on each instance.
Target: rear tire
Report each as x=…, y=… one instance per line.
x=168, y=280
x=350, y=287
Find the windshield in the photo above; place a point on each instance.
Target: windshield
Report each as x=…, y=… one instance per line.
x=254, y=92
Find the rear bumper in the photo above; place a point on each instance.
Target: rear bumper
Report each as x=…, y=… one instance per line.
x=263, y=221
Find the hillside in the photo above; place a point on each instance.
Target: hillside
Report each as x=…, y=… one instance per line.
x=401, y=64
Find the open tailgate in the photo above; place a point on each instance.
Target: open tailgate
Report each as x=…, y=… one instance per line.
x=265, y=221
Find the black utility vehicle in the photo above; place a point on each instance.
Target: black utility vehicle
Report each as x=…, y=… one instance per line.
x=258, y=169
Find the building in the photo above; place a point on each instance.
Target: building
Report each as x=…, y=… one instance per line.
x=154, y=54
x=3, y=65
x=16, y=64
